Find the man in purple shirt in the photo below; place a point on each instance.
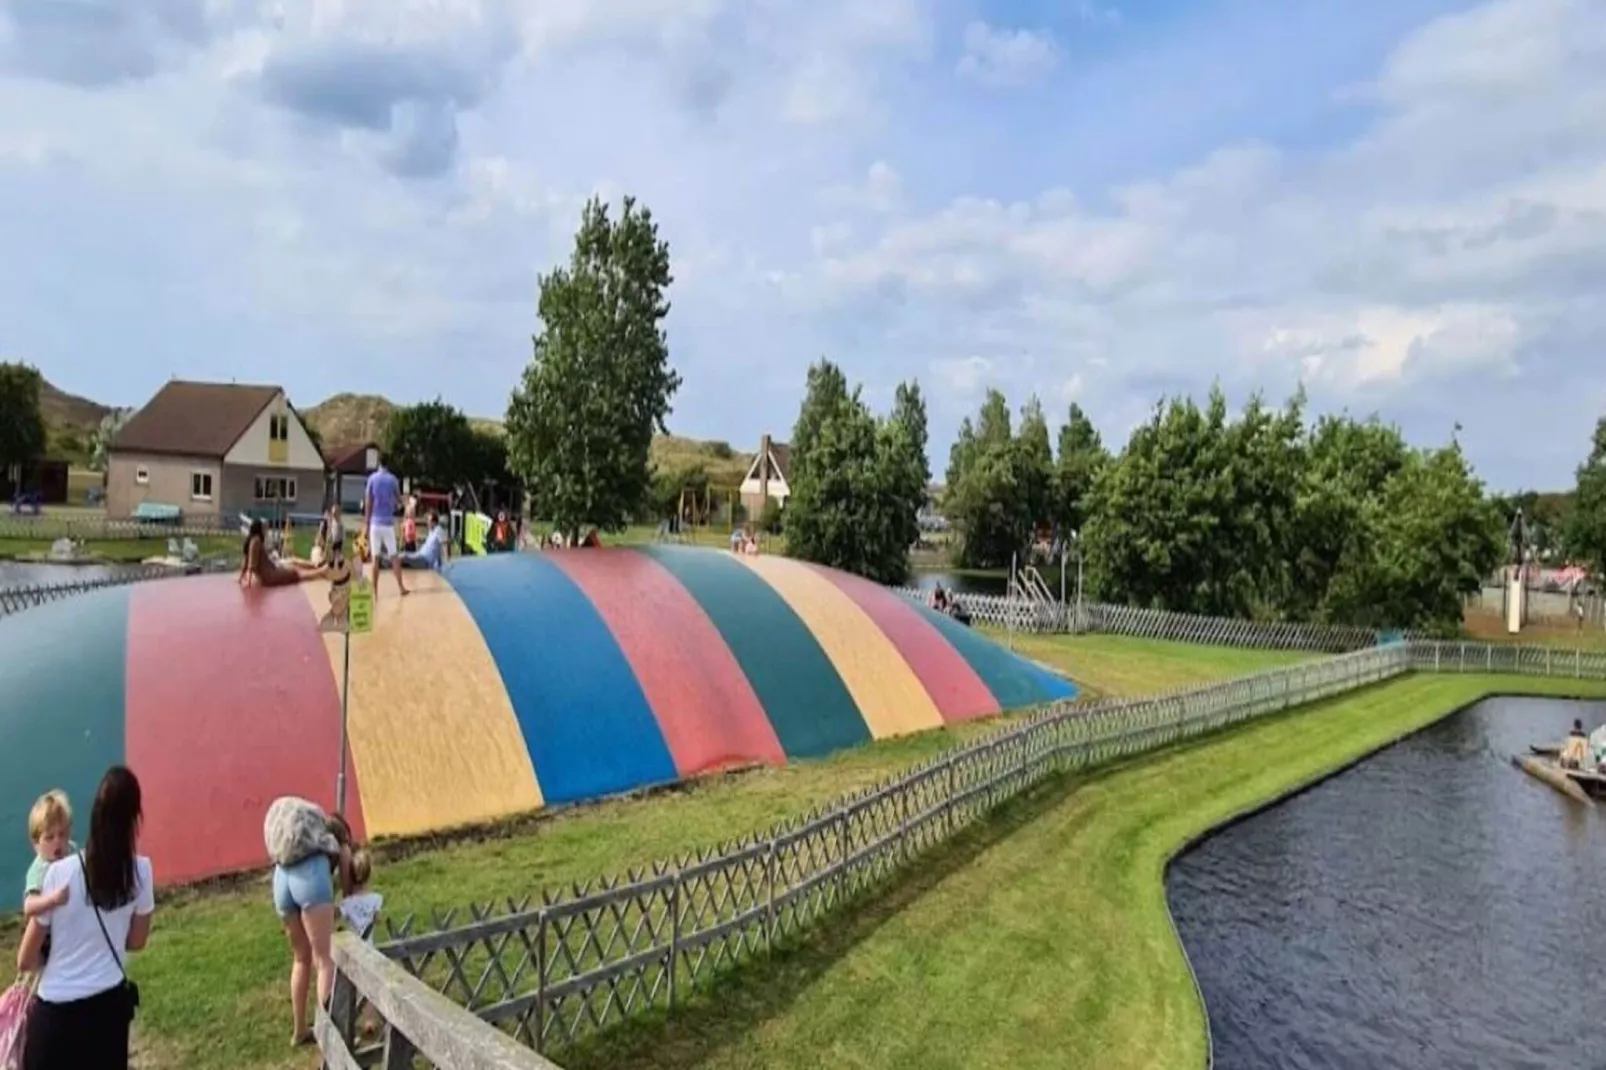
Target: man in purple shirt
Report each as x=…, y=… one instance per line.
x=379, y=511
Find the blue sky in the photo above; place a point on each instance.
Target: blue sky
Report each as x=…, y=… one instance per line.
x=1402, y=205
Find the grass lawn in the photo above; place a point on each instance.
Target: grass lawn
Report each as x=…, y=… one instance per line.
x=1490, y=628
x=213, y=978
x=1118, y=665
x=1041, y=938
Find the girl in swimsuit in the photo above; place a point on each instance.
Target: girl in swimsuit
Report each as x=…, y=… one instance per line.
x=257, y=565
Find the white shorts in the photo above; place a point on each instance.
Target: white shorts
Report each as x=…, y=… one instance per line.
x=382, y=540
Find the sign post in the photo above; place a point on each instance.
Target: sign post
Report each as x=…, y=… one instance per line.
x=359, y=620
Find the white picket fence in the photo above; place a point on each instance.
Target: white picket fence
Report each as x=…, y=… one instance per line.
x=1024, y=615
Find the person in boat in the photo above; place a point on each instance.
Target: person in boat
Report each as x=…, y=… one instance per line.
x=1597, y=747
x=1575, y=752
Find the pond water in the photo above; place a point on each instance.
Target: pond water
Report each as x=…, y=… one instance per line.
x=34, y=574
x=1432, y=907
x=964, y=584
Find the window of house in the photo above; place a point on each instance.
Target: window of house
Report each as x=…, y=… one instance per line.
x=279, y=428
x=275, y=489
x=201, y=486
x=142, y=475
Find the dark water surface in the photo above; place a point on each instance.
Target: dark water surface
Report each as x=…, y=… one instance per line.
x=1432, y=907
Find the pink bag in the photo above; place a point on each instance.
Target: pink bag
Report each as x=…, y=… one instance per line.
x=15, y=1007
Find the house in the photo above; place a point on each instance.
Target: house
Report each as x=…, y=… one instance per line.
x=213, y=451
x=349, y=468
x=766, y=478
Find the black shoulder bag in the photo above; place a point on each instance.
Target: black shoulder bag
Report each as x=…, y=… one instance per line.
x=129, y=990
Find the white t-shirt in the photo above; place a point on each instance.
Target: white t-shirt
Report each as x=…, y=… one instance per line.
x=361, y=910
x=80, y=964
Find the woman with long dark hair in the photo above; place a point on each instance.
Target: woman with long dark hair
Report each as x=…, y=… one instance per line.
x=86, y=1002
x=256, y=566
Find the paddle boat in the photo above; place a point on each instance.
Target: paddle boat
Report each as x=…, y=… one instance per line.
x=1543, y=762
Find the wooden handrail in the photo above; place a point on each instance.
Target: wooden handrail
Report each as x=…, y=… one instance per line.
x=417, y=1019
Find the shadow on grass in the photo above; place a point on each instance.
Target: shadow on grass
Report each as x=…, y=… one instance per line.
x=724, y=1013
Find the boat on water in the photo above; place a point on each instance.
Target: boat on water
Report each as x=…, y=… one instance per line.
x=1543, y=762
x=1574, y=783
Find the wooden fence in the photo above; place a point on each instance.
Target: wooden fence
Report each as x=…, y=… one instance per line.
x=418, y=1023
x=1028, y=616
x=556, y=968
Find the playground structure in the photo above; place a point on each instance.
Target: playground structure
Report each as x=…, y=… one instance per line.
x=508, y=683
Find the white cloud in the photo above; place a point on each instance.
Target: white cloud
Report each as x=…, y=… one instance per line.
x=1345, y=268
x=1002, y=57
x=360, y=195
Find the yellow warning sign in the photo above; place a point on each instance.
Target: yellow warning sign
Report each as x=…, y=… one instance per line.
x=362, y=608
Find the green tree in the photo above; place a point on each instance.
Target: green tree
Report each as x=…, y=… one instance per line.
x=1347, y=466
x=1036, y=462
x=670, y=484
x=1261, y=459
x=1431, y=538
x=1082, y=457
x=825, y=393
x=1150, y=536
x=992, y=424
x=434, y=443
x=995, y=483
x=22, y=424
x=1586, y=528
x=581, y=421
x=961, y=455
x=857, y=483
x=486, y=461
x=903, y=449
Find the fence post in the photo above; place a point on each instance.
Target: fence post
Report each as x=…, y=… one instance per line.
x=399, y=1051
x=948, y=811
x=343, y=1008
x=674, y=934
x=1548, y=652
x=842, y=856
x=541, y=926
x=903, y=823
x=1436, y=648
x=1488, y=651
x=769, y=906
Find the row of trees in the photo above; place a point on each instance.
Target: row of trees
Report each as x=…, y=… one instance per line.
x=1260, y=515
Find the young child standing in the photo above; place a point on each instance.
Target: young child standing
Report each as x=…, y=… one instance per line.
x=50, y=832
x=360, y=908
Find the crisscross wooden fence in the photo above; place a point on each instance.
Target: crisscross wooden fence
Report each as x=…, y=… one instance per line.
x=1028, y=616
x=420, y=1024
x=555, y=968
